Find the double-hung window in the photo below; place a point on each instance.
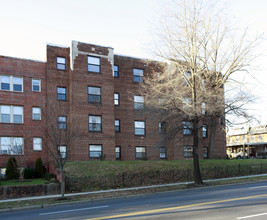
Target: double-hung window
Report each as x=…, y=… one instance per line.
x=162, y=127
x=204, y=131
x=17, y=114
x=11, y=145
x=95, y=151
x=36, y=85
x=117, y=125
x=17, y=84
x=93, y=64
x=138, y=102
x=140, y=153
x=37, y=144
x=187, y=128
x=116, y=99
x=139, y=127
x=118, y=152
x=162, y=154
x=116, y=71
x=94, y=94
x=61, y=93
x=11, y=114
x=188, y=151
x=138, y=75
x=61, y=63
x=36, y=113
x=62, y=122
x=95, y=123
x=5, y=83
x=11, y=83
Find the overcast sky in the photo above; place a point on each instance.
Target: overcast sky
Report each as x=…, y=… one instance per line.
x=27, y=25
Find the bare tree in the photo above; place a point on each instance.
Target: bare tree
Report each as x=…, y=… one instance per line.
x=61, y=134
x=200, y=59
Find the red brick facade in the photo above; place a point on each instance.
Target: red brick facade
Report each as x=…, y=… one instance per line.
x=77, y=69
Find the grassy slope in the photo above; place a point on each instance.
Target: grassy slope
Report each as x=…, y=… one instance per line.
x=92, y=168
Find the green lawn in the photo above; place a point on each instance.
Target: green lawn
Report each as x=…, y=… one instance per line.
x=97, y=167
x=25, y=182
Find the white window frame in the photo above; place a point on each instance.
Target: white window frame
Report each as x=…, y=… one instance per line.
x=10, y=149
x=11, y=83
x=39, y=82
x=187, y=128
x=34, y=113
x=37, y=144
x=11, y=115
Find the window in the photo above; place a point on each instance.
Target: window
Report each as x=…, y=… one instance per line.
x=95, y=151
x=36, y=113
x=188, y=151
x=62, y=122
x=252, y=137
x=6, y=114
x=116, y=71
x=244, y=137
x=118, y=152
x=5, y=83
x=95, y=123
x=205, y=152
x=62, y=150
x=187, y=128
x=37, y=144
x=203, y=108
x=204, y=131
x=162, y=127
x=140, y=153
x=138, y=102
x=139, y=127
x=138, y=75
x=187, y=77
x=36, y=85
x=61, y=93
x=117, y=125
x=237, y=138
x=11, y=83
x=260, y=137
x=3, y=172
x=61, y=63
x=17, y=114
x=187, y=104
x=116, y=99
x=162, y=154
x=94, y=94
x=93, y=64
x=11, y=145
x=11, y=114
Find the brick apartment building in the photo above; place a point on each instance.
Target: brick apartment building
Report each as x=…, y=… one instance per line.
x=90, y=85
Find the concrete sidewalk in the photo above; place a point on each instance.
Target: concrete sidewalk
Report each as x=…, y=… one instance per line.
x=124, y=189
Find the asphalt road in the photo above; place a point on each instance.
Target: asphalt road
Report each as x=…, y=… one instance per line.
x=246, y=201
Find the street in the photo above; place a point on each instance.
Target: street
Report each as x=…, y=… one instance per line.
x=243, y=201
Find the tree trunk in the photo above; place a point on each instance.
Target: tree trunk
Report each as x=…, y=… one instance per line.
x=212, y=137
x=197, y=174
x=62, y=181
